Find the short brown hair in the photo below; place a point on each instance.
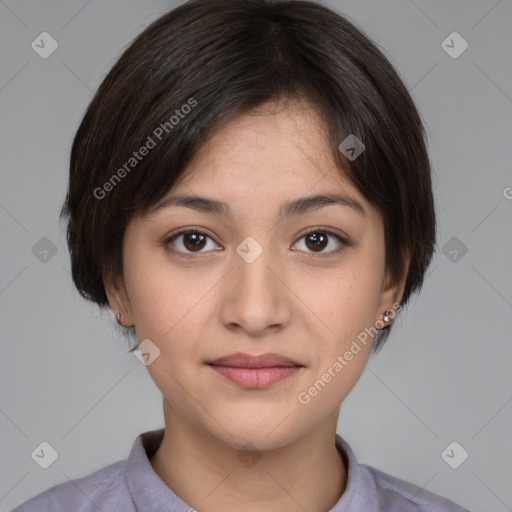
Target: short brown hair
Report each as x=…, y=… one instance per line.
x=203, y=63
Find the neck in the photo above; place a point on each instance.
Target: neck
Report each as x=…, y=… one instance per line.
x=208, y=474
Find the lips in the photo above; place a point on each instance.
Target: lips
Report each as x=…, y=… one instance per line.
x=240, y=360
x=255, y=372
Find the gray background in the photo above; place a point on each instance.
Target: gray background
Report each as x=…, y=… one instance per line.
x=445, y=373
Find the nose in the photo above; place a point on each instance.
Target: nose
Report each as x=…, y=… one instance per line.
x=256, y=298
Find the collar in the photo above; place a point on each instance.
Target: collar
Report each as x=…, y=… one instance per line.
x=360, y=492
x=151, y=494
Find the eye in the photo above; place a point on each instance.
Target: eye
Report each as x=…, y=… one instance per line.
x=188, y=242
x=317, y=239
x=191, y=240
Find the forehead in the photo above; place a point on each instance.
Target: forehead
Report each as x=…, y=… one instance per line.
x=291, y=131
x=276, y=153
x=275, y=145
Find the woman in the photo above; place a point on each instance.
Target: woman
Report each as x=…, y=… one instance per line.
x=250, y=194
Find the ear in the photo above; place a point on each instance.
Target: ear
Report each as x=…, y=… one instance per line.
x=118, y=299
x=392, y=292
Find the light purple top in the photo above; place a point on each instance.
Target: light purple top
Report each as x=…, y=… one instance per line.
x=132, y=485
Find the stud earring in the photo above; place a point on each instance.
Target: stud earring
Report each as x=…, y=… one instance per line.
x=385, y=316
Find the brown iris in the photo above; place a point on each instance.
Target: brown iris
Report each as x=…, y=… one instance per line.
x=194, y=241
x=318, y=239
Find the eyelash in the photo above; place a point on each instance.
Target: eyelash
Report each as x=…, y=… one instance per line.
x=343, y=242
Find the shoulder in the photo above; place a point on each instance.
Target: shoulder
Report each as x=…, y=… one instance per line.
x=105, y=490
x=373, y=490
x=392, y=491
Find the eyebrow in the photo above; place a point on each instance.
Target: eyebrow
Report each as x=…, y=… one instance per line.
x=295, y=207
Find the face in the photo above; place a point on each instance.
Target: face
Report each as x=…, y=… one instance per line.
x=303, y=283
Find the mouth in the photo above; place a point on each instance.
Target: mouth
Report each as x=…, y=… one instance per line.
x=255, y=372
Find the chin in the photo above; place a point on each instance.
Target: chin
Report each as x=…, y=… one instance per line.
x=267, y=434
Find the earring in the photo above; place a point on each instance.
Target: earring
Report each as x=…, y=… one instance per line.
x=118, y=318
x=385, y=316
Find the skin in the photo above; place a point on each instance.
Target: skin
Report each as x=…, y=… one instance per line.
x=289, y=301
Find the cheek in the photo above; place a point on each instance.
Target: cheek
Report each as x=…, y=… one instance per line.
x=344, y=346
x=344, y=301
x=171, y=310
x=170, y=305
